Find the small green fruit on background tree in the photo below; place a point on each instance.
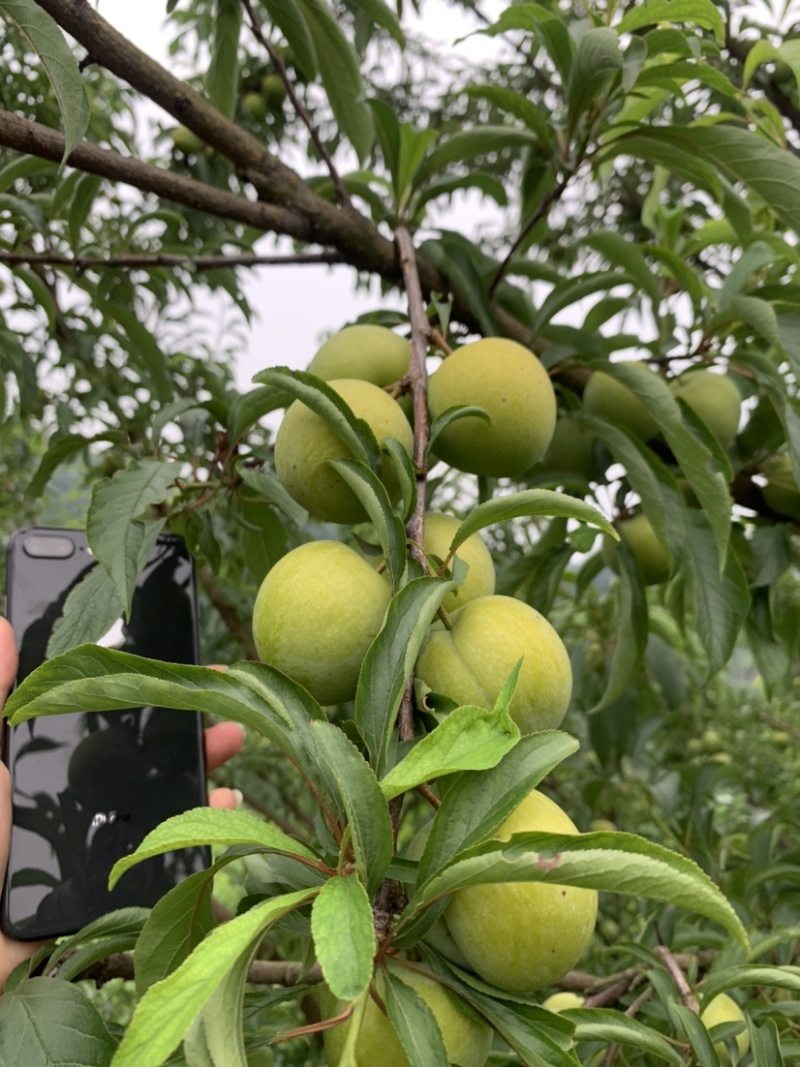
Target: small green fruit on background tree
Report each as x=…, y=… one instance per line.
x=510, y=596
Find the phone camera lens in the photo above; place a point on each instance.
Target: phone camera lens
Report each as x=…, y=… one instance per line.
x=44, y=546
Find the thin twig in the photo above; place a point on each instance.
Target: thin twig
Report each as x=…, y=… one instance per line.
x=555, y=194
x=679, y=978
x=147, y=261
x=277, y=61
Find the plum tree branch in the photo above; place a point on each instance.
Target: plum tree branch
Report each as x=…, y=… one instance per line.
x=678, y=977
x=156, y=260
x=544, y=206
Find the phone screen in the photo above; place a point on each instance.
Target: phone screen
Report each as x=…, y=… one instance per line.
x=87, y=788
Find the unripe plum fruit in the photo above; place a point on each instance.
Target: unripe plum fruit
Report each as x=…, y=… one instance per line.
x=439, y=533
x=304, y=444
x=524, y=936
x=510, y=383
x=640, y=537
x=571, y=450
x=255, y=105
x=715, y=400
x=316, y=614
x=372, y=353
x=781, y=491
x=563, y=1001
x=273, y=89
x=611, y=400
x=466, y=1041
x=724, y=1009
x=471, y=662
x=186, y=141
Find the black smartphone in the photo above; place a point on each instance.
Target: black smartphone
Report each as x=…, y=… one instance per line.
x=88, y=787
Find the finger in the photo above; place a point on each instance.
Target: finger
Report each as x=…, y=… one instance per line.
x=11, y=952
x=221, y=742
x=224, y=798
x=8, y=658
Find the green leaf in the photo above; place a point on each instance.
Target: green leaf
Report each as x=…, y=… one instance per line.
x=545, y=25
x=454, y=261
x=469, y=739
x=765, y=1044
x=528, y=502
x=248, y=408
x=613, y=862
x=477, y=805
x=140, y=342
x=209, y=826
x=740, y=977
x=721, y=601
x=518, y=105
x=125, y=922
x=268, y=487
x=701, y=13
x=120, y=540
x=91, y=608
x=382, y=15
x=696, y=1034
x=341, y=75
x=414, y=1022
x=178, y=922
x=389, y=662
x=405, y=474
x=627, y=256
x=61, y=449
x=599, y=1024
x=344, y=936
x=289, y=17
x=367, y=815
x=695, y=458
x=632, y=629
x=389, y=527
x=596, y=65
x=470, y=144
x=216, y=1038
x=222, y=78
x=323, y=401
x=572, y=290
x=47, y=1023
x=167, y=1009
x=44, y=36
x=453, y=414
x=90, y=678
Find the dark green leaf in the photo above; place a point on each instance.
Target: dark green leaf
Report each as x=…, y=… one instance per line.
x=119, y=538
x=598, y=1024
x=47, y=1023
x=91, y=608
x=415, y=1023
x=44, y=36
x=389, y=662
x=701, y=13
x=140, y=342
x=631, y=641
x=597, y=63
x=222, y=79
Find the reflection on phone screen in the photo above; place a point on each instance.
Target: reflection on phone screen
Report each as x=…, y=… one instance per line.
x=88, y=788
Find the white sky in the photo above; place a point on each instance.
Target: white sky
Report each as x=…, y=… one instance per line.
x=296, y=306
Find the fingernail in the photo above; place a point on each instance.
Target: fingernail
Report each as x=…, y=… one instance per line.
x=237, y=796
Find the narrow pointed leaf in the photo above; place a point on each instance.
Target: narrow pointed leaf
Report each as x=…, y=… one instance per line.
x=167, y=1009
x=124, y=922
x=740, y=977
x=616, y=863
x=600, y=1024
x=529, y=502
x=44, y=35
x=701, y=13
x=415, y=1024
x=323, y=401
x=389, y=662
x=344, y=936
x=389, y=527
x=632, y=630
x=363, y=802
x=221, y=1025
x=695, y=1033
x=222, y=79
x=91, y=608
x=453, y=414
x=209, y=826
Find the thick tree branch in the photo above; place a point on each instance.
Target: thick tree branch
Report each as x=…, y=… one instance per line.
x=37, y=140
x=156, y=260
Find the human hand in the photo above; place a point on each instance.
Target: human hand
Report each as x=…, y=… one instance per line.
x=221, y=743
